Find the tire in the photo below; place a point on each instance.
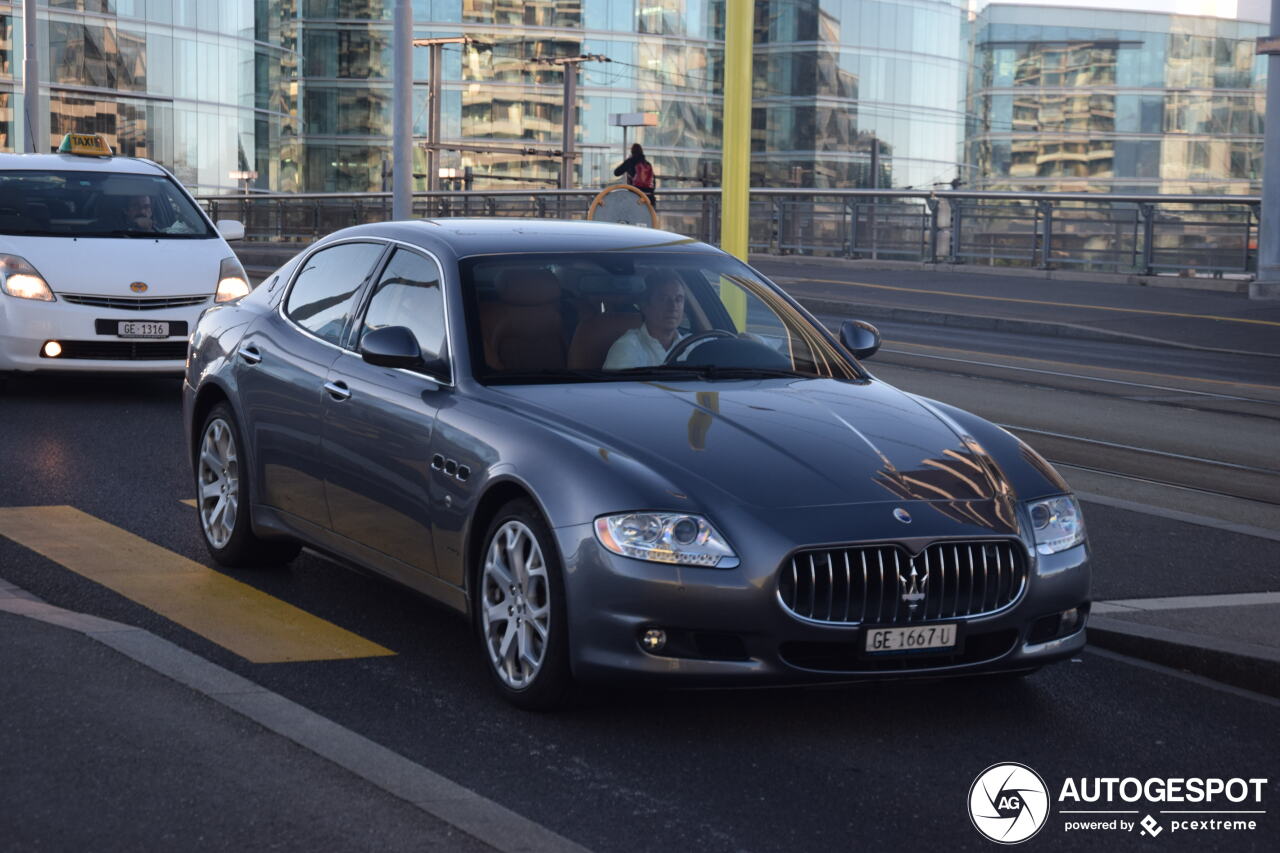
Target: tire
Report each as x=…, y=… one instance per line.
x=520, y=611
x=222, y=489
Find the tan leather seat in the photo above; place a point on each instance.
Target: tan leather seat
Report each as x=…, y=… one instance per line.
x=595, y=334
x=523, y=329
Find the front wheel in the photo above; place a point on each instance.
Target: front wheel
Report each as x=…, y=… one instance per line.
x=222, y=498
x=520, y=610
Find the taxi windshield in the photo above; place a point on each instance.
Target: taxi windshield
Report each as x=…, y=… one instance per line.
x=615, y=316
x=40, y=203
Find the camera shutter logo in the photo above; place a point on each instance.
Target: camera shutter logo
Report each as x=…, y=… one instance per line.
x=1008, y=803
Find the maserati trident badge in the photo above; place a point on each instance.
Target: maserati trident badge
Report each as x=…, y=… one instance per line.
x=902, y=515
x=912, y=589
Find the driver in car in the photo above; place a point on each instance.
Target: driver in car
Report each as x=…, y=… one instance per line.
x=662, y=306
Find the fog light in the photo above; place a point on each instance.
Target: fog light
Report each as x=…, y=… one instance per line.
x=52, y=349
x=1070, y=620
x=653, y=640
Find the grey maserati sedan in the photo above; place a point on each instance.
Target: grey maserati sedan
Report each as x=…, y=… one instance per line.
x=622, y=455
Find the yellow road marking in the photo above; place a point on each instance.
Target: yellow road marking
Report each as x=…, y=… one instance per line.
x=1041, y=302
x=247, y=621
x=1074, y=365
x=191, y=502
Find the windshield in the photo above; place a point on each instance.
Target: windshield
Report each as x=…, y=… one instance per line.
x=609, y=316
x=39, y=203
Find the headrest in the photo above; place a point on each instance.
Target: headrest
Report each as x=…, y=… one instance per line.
x=528, y=286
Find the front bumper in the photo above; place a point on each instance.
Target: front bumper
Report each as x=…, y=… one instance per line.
x=728, y=628
x=26, y=324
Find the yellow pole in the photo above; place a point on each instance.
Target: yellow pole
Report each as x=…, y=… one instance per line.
x=735, y=157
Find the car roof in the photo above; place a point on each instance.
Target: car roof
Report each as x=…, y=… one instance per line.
x=78, y=163
x=501, y=235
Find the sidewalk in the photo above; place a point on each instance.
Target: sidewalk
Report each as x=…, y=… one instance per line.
x=112, y=738
x=1097, y=310
x=1234, y=639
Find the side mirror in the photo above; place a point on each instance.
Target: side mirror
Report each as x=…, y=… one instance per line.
x=861, y=339
x=230, y=229
x=391, y=346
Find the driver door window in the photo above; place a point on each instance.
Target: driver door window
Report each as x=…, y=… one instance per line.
x=409, y=294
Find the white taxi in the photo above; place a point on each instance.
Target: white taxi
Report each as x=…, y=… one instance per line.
x=105, y=262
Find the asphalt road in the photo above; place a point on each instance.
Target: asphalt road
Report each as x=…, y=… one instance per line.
x=877, y=766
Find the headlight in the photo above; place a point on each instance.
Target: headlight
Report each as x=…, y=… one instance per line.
x=665, y=537
x=1056, y=523
x=232, y=282
x=18, y=278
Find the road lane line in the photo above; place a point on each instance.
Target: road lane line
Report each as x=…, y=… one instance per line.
x=236, y=616
x=1075, y=366
x=1039, y=302
x=191, y=502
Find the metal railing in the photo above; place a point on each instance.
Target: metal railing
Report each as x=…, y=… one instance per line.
x=1145, y=234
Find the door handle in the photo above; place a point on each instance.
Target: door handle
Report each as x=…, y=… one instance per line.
x=250, y=355
x=338, y=390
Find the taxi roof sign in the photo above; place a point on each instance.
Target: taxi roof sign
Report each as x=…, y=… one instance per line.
x=85, y=144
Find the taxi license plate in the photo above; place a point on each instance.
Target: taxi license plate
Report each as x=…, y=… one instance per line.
x=134, y=329
x=913, y=639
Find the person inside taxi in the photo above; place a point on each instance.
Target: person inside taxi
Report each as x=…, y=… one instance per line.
x=138, y=214
x=662, y=307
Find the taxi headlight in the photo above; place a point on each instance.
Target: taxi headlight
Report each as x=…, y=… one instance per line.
x=232, y=282
x=1056, y=523
x=19, y=279
x=665, y=537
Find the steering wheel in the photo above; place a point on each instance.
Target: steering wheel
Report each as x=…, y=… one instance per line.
x=686, y=344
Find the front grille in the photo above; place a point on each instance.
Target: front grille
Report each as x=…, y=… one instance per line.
x=134, y=303
x=875, y=583
x=124, y=350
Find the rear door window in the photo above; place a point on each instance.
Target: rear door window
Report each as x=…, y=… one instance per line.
x=324, y=294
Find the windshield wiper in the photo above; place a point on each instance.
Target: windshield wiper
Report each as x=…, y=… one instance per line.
x=585, y=375
x=712, y=371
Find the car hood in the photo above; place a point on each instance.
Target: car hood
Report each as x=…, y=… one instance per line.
x=106, y=266
x=777, y=442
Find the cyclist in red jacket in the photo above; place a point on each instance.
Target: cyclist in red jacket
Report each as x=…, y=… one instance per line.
x=639, y=172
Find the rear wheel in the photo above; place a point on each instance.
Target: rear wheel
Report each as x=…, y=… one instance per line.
x=222, y=498
x=520, y=610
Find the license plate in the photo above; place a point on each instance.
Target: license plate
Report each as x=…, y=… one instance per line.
x=133, y=329
x=913, y=639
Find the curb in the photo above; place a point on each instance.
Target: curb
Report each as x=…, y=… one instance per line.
x=987, y=322
x=1245, y=665
x=473, y=814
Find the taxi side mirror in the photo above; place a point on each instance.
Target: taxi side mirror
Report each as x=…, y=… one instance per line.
x=230, y=229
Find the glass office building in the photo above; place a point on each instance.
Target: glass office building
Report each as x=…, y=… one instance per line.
x=847, y=93
x=1132, y=102
x=205, y=88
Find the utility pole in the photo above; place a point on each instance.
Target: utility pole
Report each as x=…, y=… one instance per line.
x=569, y=129
x=31, y=79
x=434, y=77
x=402, y=108
x=735, y=192
x=1266, y=284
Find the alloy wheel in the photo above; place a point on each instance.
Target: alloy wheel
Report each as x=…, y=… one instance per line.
x=516, y=604
x=218, y=480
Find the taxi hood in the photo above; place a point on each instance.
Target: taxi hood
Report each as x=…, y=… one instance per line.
x=106, y=266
